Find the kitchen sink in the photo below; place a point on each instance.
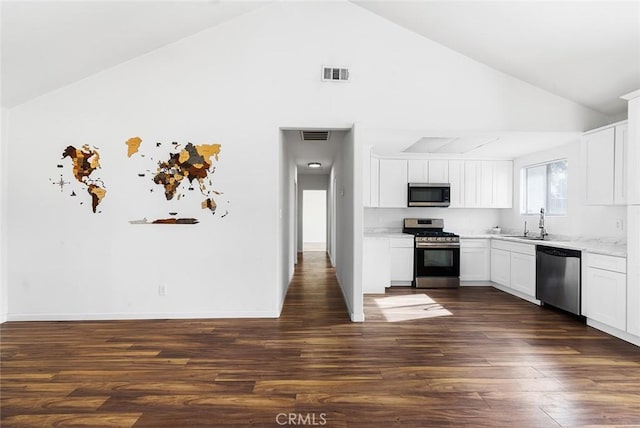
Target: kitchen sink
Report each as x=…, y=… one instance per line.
x=529, y=238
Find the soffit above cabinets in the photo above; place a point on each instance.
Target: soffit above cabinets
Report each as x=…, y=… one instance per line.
x=463, y=144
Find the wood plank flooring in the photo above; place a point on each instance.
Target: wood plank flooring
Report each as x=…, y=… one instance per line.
x=424, y=358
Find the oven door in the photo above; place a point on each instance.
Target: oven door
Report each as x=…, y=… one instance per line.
x=437, y=266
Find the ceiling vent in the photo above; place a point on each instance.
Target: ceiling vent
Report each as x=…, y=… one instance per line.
x=335, y=74
x=315, y=135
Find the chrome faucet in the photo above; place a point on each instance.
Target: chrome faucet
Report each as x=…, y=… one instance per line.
x=525, y=232
x=543, y=232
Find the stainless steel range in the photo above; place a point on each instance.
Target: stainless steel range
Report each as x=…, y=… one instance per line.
x=436, y=261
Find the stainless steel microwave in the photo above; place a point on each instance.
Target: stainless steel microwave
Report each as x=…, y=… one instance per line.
x=429, y=195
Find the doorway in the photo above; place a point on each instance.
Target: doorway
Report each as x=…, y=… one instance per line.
x=314, y=220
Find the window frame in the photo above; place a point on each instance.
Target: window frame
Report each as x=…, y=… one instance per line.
x=524, y=187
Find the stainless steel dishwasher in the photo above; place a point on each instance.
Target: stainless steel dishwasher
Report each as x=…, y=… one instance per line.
x=558, y=277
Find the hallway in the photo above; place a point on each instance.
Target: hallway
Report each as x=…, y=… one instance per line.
x=468, y=357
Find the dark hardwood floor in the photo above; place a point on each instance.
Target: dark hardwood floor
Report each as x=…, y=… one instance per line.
x=424, y=358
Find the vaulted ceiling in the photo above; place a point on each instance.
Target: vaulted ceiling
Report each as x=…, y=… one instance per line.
x=585, y=51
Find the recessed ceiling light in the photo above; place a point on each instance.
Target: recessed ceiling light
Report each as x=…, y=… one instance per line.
x=314, y=164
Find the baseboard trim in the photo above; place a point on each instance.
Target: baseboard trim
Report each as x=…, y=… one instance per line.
x=143, y=316
x=612, y=331
x=516, y=293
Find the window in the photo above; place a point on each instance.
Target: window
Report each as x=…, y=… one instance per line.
x=544, y=186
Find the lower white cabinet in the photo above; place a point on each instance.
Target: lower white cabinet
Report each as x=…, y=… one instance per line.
x=605, y=290
x=523, y=273
x=500, y=267
x=401, y=257
x=513, y=266
x=475, y=260
x=376, y=275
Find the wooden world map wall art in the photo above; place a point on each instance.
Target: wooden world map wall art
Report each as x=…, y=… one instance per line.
x=184, y=168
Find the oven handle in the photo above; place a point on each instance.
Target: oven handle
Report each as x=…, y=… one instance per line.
x=435, y=246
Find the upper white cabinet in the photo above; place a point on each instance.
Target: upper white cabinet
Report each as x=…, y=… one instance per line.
x=374, y=190
x=418, y=171
x=456, y=181
x=438, y=171
x=472, y=184
x=605, y=152
x=393, y=183
x=428, y=171
x=488, y=184
x=620, y=165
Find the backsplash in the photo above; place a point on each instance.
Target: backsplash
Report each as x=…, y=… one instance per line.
x=457, y=220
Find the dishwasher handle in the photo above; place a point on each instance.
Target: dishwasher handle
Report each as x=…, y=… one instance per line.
x=558, y=252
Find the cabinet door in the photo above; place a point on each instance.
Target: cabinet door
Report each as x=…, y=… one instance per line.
x=599, y=164
x=474, y=260
x=376, y=273
x=456, y=180
x=374, y=182
x=500, y=267
x=438, y=171
x=502, y=184
x=486, y=184
x=633, y=270
x=418, y=171
x=620, y=165
x=523, y=273
x=606, y=297
x=472, y=184
x=402, y=264
x=393, y=183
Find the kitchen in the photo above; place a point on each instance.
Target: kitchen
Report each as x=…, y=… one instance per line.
x=492, y=199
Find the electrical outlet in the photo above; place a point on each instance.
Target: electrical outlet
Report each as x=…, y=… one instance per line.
x=162, y=290
x=620, y=224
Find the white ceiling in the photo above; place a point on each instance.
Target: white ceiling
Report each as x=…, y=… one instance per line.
x=313, y=151
x=50, y=44
x=586, y=51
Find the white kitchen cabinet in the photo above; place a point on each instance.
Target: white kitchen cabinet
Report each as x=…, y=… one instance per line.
x=513, y=266
x=633, y=270
x=418, y=171
x=606, y=297
x=438, y=171
x=472, y=184
x=428, y=171
x=475, y=255
x=620, y=165
x=523, y=273
x=599, y=148
x=605, y=156
x=500, y=266
x=401, y=260
x=393, y=183
x=486, y=184
x=374, y=182
x=502, y=184
x=456, y=181
x=376, y=275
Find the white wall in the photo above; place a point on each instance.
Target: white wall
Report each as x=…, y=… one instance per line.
x=226, y=85
x=349, y=224
x=287, y=214
x=460, y=221
x=4, y=298
x=309, y=182
x=582, y=220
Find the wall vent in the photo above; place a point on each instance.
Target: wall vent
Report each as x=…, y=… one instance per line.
x=335, y=74
x=315, y=135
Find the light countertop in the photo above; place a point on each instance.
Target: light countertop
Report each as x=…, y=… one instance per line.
x=598, y=246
